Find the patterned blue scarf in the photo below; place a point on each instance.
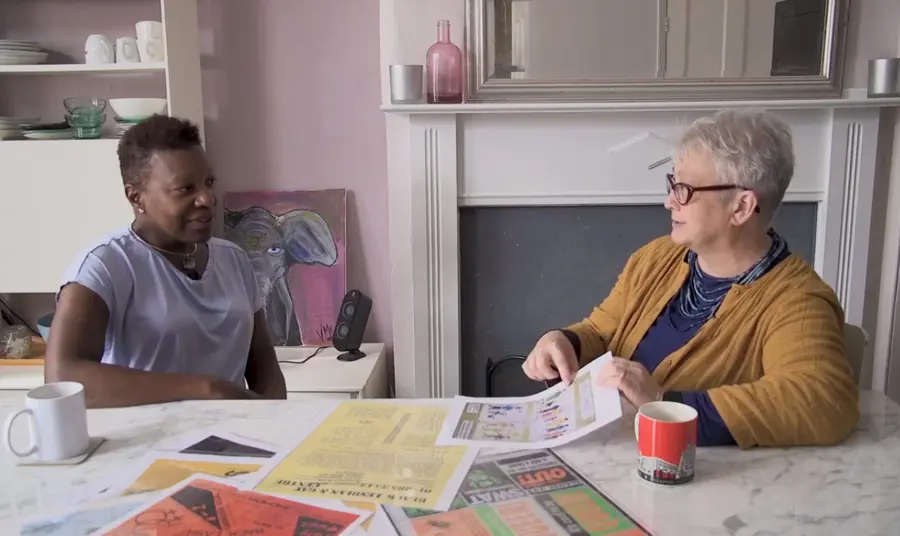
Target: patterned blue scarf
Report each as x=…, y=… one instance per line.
x=702, y=294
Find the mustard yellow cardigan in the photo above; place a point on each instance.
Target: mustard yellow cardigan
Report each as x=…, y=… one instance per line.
x=772, y=359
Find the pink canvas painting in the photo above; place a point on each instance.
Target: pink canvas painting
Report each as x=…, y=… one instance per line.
x=297, y=243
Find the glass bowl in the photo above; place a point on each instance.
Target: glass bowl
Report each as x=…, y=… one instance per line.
x=85, y=105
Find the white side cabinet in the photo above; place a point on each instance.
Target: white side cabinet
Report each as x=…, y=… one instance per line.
x=59, y=196
x=322, y=376
x=20, y=378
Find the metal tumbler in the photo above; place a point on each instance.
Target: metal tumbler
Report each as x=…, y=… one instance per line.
x=406, y=83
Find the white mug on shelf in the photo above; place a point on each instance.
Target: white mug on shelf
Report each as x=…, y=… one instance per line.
x=127, y=50
x=98, y=49
x=150, y=41
x=58, y=422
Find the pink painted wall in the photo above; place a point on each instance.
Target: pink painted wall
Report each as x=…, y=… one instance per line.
x=291, y=94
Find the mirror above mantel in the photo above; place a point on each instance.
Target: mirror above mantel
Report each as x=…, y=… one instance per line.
x=660, y=50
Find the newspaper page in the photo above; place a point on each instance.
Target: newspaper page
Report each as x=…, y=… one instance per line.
x=373, y=450
x=531, y=492
x=206, y=505
x=548, y=419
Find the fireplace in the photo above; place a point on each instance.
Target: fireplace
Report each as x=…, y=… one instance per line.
x=461, y=176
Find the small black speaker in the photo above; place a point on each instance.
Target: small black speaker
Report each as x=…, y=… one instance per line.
x=351, y=324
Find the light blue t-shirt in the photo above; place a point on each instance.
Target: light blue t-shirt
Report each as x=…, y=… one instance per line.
x=160, y=320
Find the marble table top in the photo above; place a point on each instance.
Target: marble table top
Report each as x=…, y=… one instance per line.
x=853, y=488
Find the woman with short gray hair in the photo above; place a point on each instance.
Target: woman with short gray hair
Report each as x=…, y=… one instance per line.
x=719, y=314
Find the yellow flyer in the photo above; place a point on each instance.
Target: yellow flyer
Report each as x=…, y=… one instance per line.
x=376, y=451
x=365, y=507
x=158, y=473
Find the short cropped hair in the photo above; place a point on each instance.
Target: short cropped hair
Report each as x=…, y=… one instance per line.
x=750, y=148
x=156, y=133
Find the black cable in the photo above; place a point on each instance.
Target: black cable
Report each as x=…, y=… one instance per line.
x=18, y=318
x=492, y=367
x=305, y=359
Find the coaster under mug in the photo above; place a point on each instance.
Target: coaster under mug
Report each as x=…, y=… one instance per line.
x=666, y=434
x=93, y=444
x=58, y=423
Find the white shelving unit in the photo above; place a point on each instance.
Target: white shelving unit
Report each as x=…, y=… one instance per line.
x=57, y=197
x=111, y=68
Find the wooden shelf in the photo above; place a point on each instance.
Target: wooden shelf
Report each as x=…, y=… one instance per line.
x=14, y=144
x=110, y=68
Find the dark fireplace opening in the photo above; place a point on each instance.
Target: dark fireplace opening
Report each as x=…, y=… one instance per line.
x=525, y=270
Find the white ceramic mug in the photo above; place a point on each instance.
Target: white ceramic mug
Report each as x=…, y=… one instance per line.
x=58, y=422
x=98, y=49
x=127, y=50
x=150, y=41
x=149, y=29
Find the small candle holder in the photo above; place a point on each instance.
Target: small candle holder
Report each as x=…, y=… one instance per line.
x=884, y=78
x=407, y=83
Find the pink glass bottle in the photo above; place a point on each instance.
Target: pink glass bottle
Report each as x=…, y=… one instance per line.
x=443, y=69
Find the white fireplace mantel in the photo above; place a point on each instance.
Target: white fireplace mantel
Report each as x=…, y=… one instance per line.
x=514, y=154
x=855, y=98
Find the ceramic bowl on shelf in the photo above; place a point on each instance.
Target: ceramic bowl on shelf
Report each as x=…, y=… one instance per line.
x=137, y=108
x=43, y=325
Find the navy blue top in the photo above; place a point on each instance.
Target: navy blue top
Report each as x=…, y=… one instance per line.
x=663, y=338
x=690, y=309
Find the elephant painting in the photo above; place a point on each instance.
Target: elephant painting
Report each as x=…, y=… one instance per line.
x=275, y=242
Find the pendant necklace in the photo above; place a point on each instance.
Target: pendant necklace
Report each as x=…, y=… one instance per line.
x=187, y=259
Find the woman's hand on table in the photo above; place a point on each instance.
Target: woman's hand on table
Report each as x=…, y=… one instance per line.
x=552, y=357
x=631, y=379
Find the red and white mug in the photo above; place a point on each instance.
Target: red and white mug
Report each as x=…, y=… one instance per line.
x=666, y=434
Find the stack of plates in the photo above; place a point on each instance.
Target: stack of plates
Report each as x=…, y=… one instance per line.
x=124, y=123
x=13, y=52
x=48, y=131
x=11, y=127
x=66, y=134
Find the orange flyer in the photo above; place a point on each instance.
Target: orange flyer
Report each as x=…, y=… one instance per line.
x=205, y=506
